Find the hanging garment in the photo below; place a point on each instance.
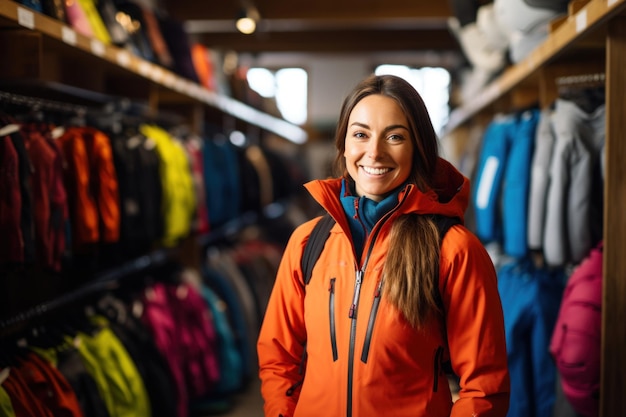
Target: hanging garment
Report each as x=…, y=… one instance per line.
x=539, y=179
x=49, y=194
x=179, y=320
x=6, y=408
x=49, y=386
x=221, y=179
x=238, y=308
x=92, y=185
x=516, y=185
x=150, y=364
x=487, y=191
x=137, y=166
x=158, y=319
x=24, y=402
x=193, y=146
x=572, y=214
x=530, y=300
x=118, y=375
x=197, y=337
x=11, y=246
x=231, y=367
x=503, y=179
x=26, y=194
x=178, y=205
x=576, y=341
x=71, y=365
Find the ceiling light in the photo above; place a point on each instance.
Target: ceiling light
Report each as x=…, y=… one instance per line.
x=248, y=20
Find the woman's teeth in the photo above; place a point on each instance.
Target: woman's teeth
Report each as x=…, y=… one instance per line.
x=376, y=171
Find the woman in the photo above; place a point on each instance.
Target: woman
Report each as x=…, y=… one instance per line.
x=367, y=336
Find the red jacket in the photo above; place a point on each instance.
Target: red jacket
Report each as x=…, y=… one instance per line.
x=375, y=363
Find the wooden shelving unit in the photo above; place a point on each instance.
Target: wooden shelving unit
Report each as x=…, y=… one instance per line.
x=591, y=38
x=39, y=47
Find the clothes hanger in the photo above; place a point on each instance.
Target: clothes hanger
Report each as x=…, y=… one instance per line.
x=585, y=90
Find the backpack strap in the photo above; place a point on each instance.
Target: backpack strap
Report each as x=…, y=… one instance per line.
x=315, y=245
x=317, y=239
x=443, y=223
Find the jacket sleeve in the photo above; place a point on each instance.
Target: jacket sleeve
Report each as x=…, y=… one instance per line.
x=280, y=346
x=475, y=326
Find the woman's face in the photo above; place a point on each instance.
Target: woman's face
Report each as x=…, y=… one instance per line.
x=379, y=150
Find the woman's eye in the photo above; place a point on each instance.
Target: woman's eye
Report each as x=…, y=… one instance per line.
x=395, y=138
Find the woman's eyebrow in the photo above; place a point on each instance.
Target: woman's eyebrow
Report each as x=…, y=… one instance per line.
x=359, y=124
x=391, y=127
x=396, y=127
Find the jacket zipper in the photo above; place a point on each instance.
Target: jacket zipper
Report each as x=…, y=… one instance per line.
x=331, y=312
x=352, y=314
x=370, y=324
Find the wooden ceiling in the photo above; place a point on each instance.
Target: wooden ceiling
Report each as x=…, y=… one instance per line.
x=323, y=26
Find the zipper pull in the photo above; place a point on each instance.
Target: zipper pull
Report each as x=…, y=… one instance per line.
x=378, y=289
x=357, y=290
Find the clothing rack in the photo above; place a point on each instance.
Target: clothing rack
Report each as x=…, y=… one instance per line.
x=231, y=228
x=581, y=79
x=111, y=279
x=122, y=108
x=37, y=103
x=108, y=280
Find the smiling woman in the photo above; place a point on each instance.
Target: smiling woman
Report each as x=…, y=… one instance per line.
x=402, y=303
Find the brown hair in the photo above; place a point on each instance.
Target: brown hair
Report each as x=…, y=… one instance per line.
x=413, y=256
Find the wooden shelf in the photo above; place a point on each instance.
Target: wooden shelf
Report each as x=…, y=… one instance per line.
x=572, y=33
x=68, y=41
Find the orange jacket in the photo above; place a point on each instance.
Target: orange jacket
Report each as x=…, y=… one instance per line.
x=375, y=363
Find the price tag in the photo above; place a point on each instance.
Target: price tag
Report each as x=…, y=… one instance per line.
x=25, y=18
x=97, y=47
x=68, y=35
x=581, y=21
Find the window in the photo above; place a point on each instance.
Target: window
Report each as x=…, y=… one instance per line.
x=287, y=85
x=433, y=84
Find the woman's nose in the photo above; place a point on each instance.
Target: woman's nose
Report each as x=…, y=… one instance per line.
x=374, y=149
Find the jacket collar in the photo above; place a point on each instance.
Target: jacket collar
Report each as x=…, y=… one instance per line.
x=449, y=196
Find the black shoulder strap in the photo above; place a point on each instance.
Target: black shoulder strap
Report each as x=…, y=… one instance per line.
x=444, y=223
x=321, y=230
x=315, y=245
